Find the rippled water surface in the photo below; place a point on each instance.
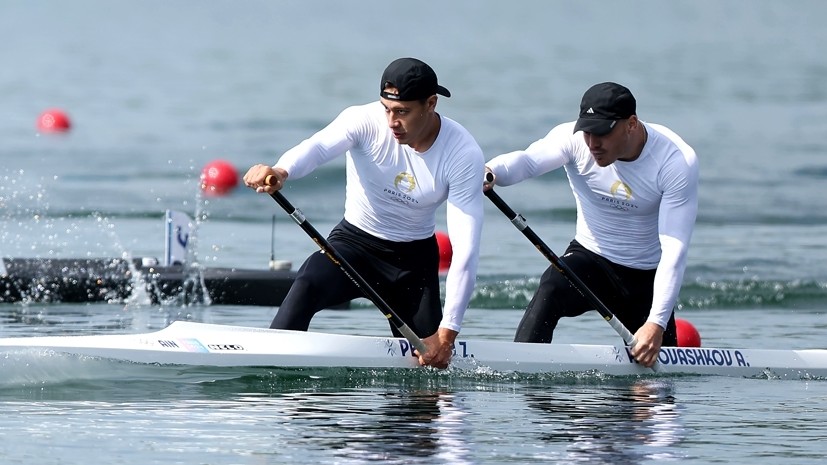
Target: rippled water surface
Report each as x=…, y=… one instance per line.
x=156, y=90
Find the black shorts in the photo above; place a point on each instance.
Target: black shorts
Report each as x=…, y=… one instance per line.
x=404, y=274
x=627, y=292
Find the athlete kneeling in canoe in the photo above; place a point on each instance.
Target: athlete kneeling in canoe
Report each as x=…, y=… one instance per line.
x=404, y=160
x=636, y=186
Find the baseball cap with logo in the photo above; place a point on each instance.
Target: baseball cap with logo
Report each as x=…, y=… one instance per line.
x=414, y=80
x=602, y=106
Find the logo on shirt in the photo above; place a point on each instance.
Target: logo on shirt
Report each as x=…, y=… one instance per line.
x=621, y=196
x=403, y=184
x=621, y=189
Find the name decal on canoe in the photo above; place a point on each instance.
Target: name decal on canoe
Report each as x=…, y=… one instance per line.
x=698, y=357
x=225, y=347
x=189, y=345
x=460, y=349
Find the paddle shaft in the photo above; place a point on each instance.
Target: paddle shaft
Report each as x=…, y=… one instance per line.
x=351, y=273
x=520, y=222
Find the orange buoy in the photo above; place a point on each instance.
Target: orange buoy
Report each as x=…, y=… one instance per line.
x=218, y=177
x=446, y=252
x=688, y=335
x=53, y=120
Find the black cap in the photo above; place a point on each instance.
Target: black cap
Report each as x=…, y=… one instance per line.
x=602, y=105
x=414, y=80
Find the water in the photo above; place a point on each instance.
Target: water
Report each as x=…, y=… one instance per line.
x=156, y=90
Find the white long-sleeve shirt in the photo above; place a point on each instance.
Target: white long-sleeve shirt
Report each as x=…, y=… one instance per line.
x=393, y=191
x=638, y=214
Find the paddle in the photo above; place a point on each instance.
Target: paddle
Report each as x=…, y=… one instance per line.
x=520, y=222
x=351, y=273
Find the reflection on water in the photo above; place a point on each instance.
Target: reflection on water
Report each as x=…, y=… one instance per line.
x=357, y=416
x=583, y=421
x=192, y=415
x=402, y=427
x=613, y=424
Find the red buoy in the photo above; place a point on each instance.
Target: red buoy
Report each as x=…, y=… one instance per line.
x=53, y=120
x=218, y=177
x=446, y=252
x=688, y=335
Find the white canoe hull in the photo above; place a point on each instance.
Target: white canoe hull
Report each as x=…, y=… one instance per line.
x=200, y=344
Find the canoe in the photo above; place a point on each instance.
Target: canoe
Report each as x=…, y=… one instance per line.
x=209, y=345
